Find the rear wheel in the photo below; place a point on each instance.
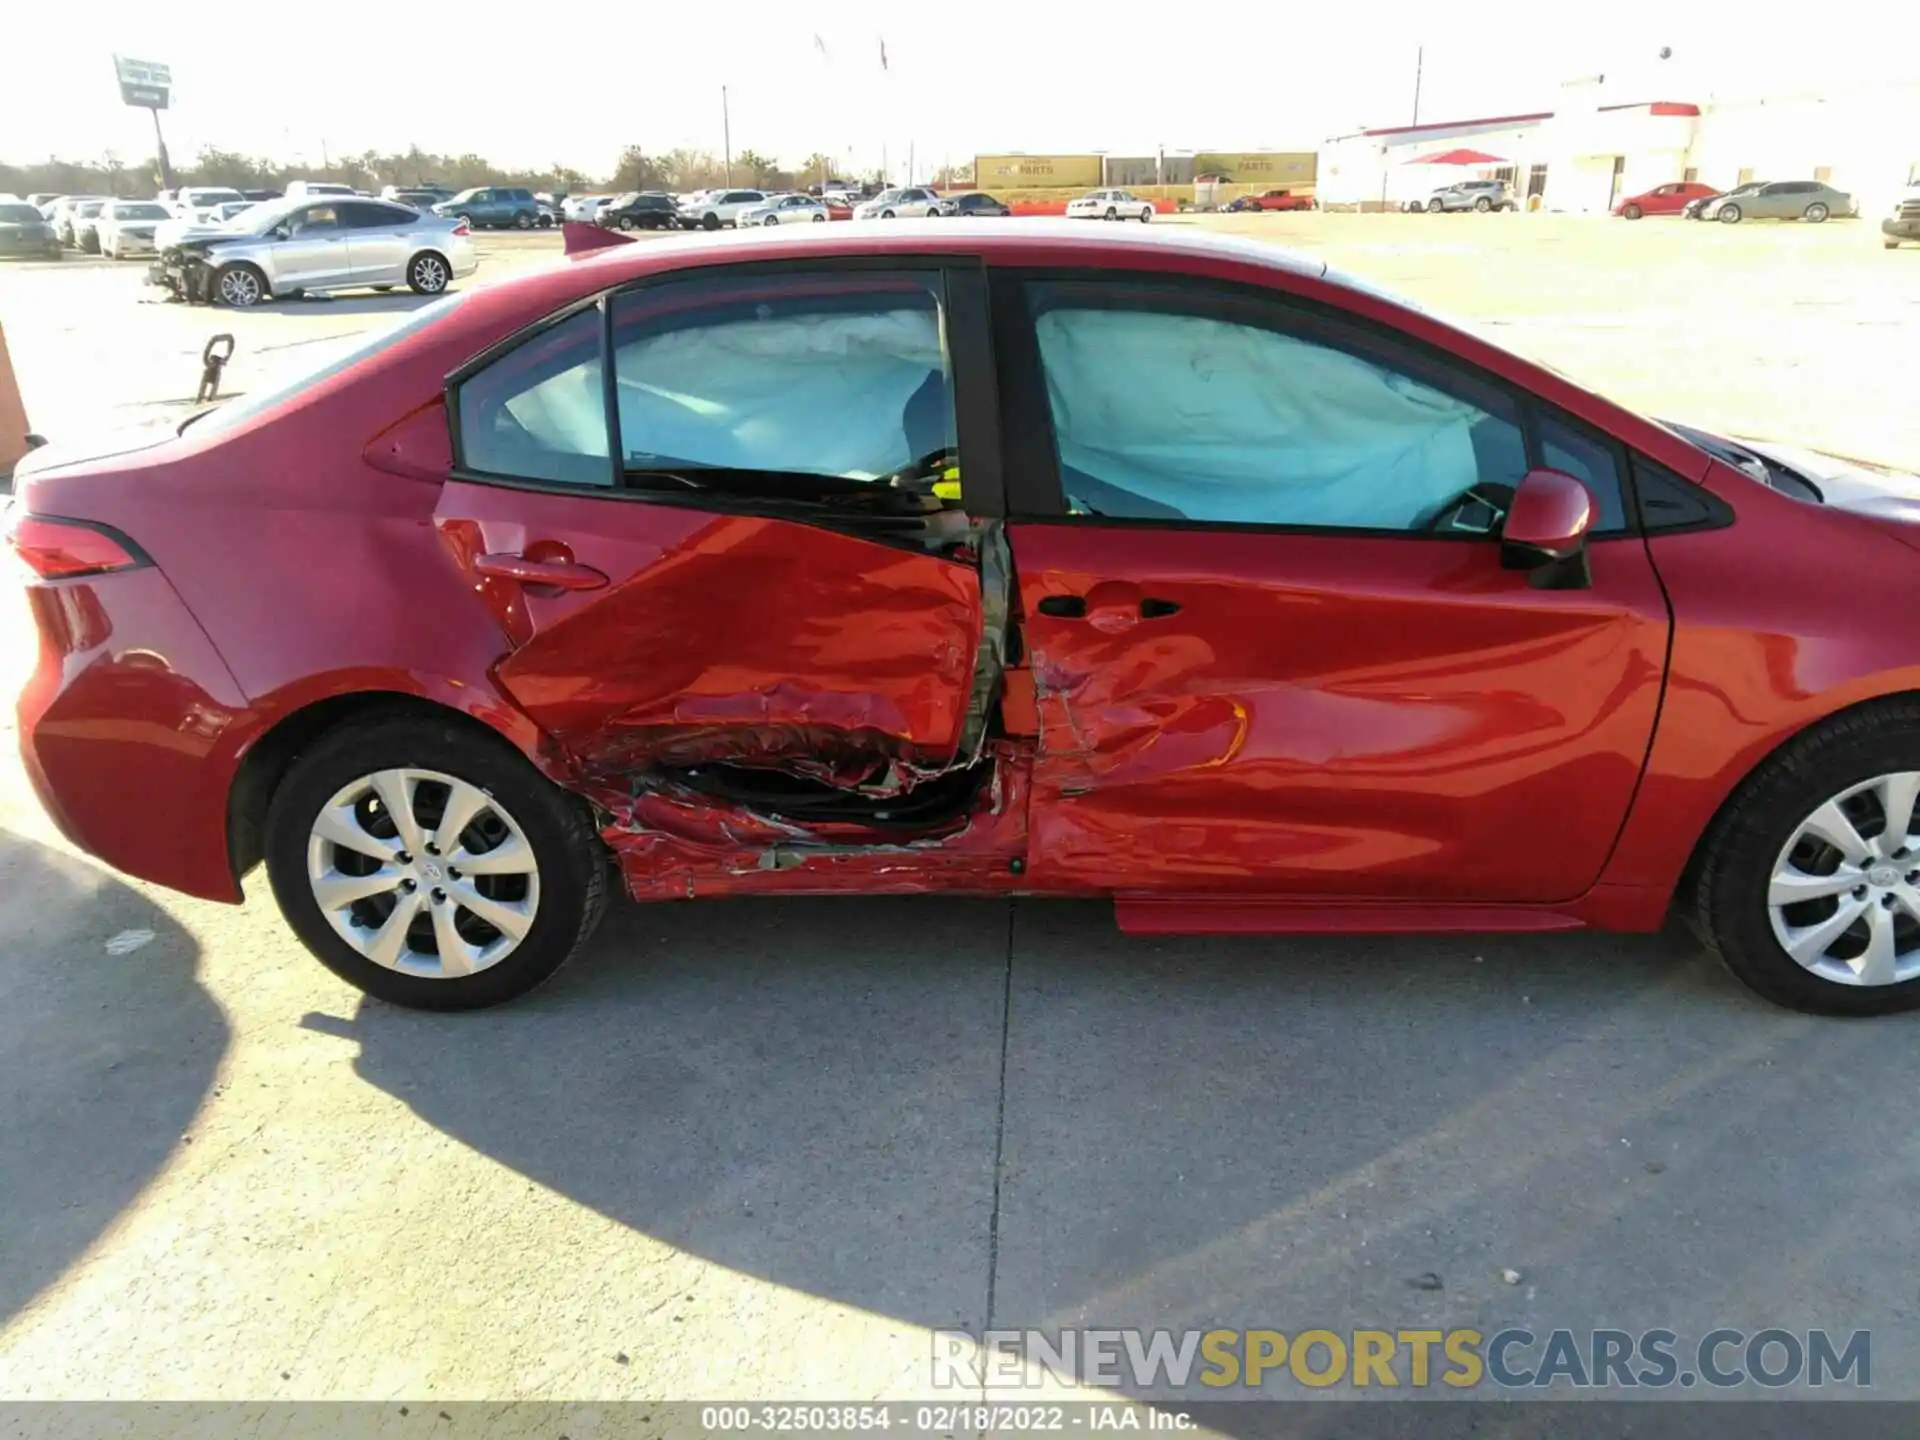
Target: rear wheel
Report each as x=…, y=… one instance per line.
x=1814, y=214
x=428, y=273
x=1633, y=212
x=626, y=222
x=1889, y=244
x=431, y=865
x=523, y=221
x=1809, y=887
x=1146, y=213
x=710, y=221
x=886, y=214
x=818, y=216
x=1112, y=214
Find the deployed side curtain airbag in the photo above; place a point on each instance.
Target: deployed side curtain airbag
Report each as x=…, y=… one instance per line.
x=823, y=394
x=1220, y=421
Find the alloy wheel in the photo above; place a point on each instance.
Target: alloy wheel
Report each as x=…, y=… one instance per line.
x=429, y=274
x=1844, y=898
x=423, y=873
x=240, y=288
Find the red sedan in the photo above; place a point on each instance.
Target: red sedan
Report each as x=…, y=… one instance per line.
x=889, y=559
x=1664, y=199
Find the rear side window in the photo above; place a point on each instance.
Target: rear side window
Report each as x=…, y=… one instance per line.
x=1175, y=408
x=539, y=412
x=765, y=384
x=1591, y=460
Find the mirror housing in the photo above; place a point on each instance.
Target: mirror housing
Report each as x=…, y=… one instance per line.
x=282, y=231
x=1545, y=532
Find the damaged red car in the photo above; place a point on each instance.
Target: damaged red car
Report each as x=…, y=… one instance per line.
x=1097, y=562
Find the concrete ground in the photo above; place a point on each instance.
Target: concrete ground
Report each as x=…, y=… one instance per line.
x=763, y=1149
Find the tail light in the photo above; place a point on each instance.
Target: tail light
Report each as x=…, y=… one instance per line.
x=59, y=549
x=462, y=228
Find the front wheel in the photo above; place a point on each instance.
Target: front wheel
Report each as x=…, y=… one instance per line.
x=710, y=221
x=430, y=865
x=1729, y=215
x=1434, y=207
x=886, y=214
x=240, y=286
x=1809, y=884
x=1633, y=212
x=1889, y=244
x=1814, y=214
x=428, y=274
x=1112, y=214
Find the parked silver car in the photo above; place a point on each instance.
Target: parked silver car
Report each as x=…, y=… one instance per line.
x=303, y=245
x=1810, y=200
x=127, y=226
x=785, y=210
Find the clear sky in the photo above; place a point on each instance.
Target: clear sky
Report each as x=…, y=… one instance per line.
x=529, y=84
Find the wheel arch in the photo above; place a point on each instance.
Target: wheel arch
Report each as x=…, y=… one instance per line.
x=1689, y=872
x=268, y=755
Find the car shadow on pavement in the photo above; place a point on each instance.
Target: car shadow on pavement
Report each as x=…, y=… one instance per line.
x=400, y=302
x=104, y=1057
x=1240, y=1132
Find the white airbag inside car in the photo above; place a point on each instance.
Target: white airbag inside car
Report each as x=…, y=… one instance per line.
x=1220, y=421
x=823, y=394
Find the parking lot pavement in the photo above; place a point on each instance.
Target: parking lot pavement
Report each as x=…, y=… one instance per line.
x=763, y=1149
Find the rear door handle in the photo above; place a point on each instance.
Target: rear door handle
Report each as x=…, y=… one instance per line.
x=1064, y=607
x=560, y=574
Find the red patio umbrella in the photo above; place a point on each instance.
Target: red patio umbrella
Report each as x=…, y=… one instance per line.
x=1458, y=157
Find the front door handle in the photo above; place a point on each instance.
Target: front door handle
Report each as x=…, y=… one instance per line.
x=560, y=574
x=1074, y=607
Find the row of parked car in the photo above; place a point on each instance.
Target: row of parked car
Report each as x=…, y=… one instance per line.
x=1814, y=201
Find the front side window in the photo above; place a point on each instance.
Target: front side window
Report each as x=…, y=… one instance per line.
x=316, y=218
x=1175, y=408
x=766, y=384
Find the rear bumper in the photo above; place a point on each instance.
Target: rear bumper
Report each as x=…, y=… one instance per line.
x=124, y=729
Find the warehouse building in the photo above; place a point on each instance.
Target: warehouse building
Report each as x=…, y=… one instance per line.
x=1589, y=151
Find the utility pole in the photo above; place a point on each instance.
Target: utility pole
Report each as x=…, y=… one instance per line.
x=909, y=162
x=160, y=143
x=1419, y=65
x=726, y=135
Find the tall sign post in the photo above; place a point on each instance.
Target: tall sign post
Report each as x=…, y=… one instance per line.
x=147, y=86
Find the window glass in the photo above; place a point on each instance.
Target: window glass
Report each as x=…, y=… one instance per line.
x=539, y=412
x=1176, y=413
x=319, y=217
x=837, y=375
x=1591, y=461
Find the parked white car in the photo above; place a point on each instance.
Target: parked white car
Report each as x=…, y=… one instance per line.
x=126, y=226
x=585, y=209
x=910, y=202
x=199, y=204
x=720, y=207
x=786, y=210
x=1110, y=205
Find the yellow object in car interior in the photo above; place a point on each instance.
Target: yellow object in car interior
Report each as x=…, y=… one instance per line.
x=947, y=487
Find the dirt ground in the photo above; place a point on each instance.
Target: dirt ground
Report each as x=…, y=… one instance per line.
x=763, y=1149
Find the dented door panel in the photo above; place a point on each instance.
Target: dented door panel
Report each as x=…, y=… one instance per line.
x=1338, y=716
x=733, y=636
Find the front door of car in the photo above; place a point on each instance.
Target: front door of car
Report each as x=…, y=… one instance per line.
x=315, y=251
x=750, y=563
x=1272, y=640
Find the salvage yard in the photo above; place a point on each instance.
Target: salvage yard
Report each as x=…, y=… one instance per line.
x=762, y=1149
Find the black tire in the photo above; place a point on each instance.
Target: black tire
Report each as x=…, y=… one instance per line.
x=710, y=221
x=1729, y=215
x=626, y=222
x=1434, y=207
x=1146, y=214
x=886, y=214
x=558, y=826
x=239, y=295
x=1633, y=212
x=1112, y=214
x=1889, y=244
x=522, y=220
x=1815, y=214
x=429, y=273
x=382, y=289
x=819, y=216
x=1739, y=854
x=467, y=220
x=1483, y=205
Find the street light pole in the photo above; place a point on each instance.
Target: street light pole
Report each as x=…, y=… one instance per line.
x=726, y=135
x=1419, y=65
